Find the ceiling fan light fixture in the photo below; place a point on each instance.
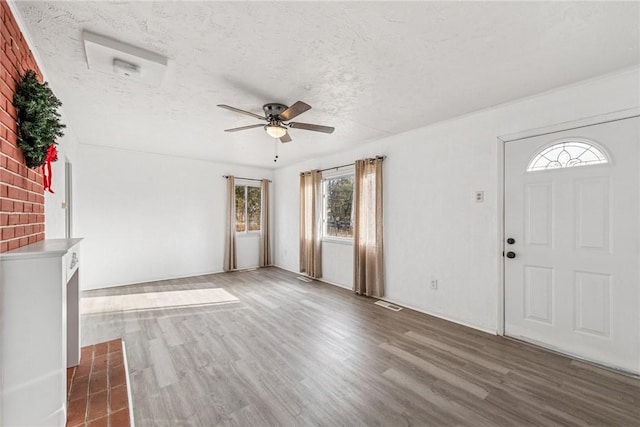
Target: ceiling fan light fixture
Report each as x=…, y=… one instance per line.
x=276, y=131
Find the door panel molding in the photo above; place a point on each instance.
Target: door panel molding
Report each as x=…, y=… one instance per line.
x=592, y=294
x=538, y=296
x=540, y=225
x=593, y=226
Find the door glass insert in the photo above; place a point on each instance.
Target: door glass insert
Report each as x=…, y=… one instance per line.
x=567, y=154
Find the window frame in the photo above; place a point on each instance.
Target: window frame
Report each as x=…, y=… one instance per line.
x=327, y=176
x=246, y=185
x=608, y=160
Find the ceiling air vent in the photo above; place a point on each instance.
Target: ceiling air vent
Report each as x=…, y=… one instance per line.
x=113, y=57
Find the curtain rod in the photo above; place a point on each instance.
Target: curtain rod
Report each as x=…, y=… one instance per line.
x=350, y=164
x=246, y=179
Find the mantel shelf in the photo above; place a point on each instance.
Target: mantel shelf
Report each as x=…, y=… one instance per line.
x=43, y=248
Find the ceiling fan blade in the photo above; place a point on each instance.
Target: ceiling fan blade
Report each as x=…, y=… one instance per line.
x=243, y=128
x=286, y=138
x=315, y=128
x=237, y=110
x=295, y=110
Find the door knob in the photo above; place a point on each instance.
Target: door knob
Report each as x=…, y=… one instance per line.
x=511, y=254
x=511, y=240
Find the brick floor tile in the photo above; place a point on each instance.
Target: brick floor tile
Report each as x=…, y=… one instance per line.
x=79, y=388
x=97, y=388
x=97, y=382
x=86, y=353
x=99, y=363
x=116, y=358
x=117, y=376
x=119, y=399
x=76, y=411
x=115, y=345
x=97, y=405
x=120, y=418
x=100, y=422
x=100, y=349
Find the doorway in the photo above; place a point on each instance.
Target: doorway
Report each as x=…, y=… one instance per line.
x=68, y=215
x=572, y=232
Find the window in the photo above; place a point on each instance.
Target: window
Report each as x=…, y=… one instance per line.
x=567, y=154
x=247, y=208
x=338, y=206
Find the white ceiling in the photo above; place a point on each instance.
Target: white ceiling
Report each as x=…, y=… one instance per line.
x=370, y=69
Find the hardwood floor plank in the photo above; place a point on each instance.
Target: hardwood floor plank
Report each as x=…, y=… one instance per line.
x=459, y=412
x=466, y=356
x=161, y=363
x=437, y=372
x=291, y=353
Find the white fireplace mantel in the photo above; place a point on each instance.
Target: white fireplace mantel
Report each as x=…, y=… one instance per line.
x=40, y=331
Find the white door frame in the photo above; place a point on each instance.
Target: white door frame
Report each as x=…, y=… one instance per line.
x=68, y=184
x=546, y=130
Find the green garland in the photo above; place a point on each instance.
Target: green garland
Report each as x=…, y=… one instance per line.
x=38, y=118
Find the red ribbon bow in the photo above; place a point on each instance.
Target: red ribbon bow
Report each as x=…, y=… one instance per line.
x=52, y=156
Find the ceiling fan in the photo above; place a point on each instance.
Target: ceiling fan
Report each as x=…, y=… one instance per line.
x=276, y=115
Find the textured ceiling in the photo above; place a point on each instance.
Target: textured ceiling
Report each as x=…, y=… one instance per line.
x=370, y=69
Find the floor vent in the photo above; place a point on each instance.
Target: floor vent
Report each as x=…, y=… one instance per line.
x=304, y=279
x=388, y=305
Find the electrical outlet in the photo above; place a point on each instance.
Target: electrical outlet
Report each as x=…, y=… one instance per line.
x=434, y=284
x=479, y=196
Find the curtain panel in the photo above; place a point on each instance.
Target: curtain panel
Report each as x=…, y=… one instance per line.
x=310, y=223
x=368, y=257
x=230, y=262
x=265, y=234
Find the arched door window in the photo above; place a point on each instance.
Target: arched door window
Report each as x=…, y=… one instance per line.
x=566, y=154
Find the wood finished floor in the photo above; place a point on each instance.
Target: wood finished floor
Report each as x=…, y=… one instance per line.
x=291, y=353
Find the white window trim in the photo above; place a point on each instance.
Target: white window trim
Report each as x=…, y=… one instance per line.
x=327, y=175
x=247, y=183
x=608, y=159
x=338, y=172
x=338, y=240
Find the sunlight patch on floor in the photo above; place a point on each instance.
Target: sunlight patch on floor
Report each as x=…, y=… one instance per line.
x=156, y=300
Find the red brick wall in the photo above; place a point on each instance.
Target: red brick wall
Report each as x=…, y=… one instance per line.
x=21, y=189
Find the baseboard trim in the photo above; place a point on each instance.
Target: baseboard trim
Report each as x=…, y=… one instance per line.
x=576, y=357
x=319, y=280
x=411, y=307
x=152, y=280
x=442, y=316
x=335, y=284
x=393, y=301
x=287, y=269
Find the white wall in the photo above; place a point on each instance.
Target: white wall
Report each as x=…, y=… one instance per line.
x=433, y=226
x=54, y=218
x=337, y=263
x=148, y=217
x=55, y=213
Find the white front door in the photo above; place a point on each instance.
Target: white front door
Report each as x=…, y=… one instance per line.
x=572, y=269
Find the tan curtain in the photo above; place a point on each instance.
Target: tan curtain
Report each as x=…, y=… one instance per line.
x=230, y=228
x=367, y=234
x=310, y=223
x=265, y=248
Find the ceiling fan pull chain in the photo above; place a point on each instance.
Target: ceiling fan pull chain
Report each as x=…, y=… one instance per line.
x=275, y=143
